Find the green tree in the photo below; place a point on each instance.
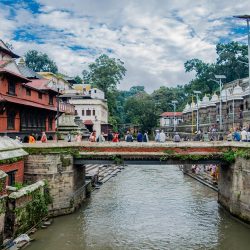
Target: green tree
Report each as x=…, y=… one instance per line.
x=105, y=73
x=40, y=62
x=78, y=79
x=140, y=110
x=230, y=58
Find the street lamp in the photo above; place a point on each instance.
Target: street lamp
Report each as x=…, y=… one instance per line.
x=247, y=18
x=220, y=83
x=174, y=102
x=197, y=116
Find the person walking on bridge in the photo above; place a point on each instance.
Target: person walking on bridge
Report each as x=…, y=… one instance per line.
x=139, y=136
x=162, y=136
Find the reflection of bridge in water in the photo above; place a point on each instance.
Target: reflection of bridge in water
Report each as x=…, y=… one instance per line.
x=63, y=164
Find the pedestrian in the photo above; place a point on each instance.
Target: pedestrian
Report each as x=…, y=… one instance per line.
x=145, y=137
x=229, y=136
x=129, y=137
x=244, y=135
x=205, y=137
x=32, y=139
x=177, y=137
x=157, y=136
x=101, y=138
x=139, y=136
x=110, y=136
x=44, y=137
x=78, y=137
x=69, y=137
x=92, y=137
x=116, y=137
x=162, y=136
x=236, y=135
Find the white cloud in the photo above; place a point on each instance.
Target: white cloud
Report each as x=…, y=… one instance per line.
x=153, y=38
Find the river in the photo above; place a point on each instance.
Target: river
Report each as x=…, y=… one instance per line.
x=147, y=207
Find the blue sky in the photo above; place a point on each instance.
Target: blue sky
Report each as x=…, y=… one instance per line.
x=154, y=37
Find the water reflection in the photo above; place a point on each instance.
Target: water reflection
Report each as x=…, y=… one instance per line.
x=147, y=207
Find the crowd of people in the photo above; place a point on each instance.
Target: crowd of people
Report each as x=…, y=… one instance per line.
x=207, y=171
x=235, y=134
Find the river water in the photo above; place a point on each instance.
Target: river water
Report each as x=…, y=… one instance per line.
x=147, y=207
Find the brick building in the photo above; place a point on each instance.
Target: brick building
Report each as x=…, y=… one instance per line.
x=27, y=103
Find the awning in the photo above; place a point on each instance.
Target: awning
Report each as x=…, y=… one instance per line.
x=19, y=101
x=88, y=122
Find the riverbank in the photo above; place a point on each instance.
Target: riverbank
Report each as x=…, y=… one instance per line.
x=146, y=207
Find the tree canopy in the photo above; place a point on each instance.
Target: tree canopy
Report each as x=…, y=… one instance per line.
x=40, y=62
x=105, y=73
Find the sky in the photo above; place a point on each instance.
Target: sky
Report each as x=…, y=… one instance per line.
x=154, y=38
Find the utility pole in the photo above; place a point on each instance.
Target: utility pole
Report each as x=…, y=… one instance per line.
x=197, y=114
x=247, y=18
x=174, y=104
x=220, y=83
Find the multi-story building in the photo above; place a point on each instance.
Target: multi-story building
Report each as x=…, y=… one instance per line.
x=27, y=105
x=90, y=106
x=234, y=100
x=170, y=119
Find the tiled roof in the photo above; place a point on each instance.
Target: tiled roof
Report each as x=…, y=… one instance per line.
x=40, y=84
x=6, y=50
x=13, y=99
x=171, y=114
x=27, y=72
x=13, y=74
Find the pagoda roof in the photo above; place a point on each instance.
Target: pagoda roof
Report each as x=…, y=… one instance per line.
x=14, y=75
x=26, y=71
x=6, y=50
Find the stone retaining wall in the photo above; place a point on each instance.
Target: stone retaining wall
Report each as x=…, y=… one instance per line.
x=63, y=178
x=234, y=188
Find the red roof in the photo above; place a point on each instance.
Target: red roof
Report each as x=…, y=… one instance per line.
x=40, y=84
x=13, y=74
x=16, y=100
x=171, y=114
x=88, y=122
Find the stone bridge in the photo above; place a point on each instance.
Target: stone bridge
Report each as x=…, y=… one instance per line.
x=63, y=165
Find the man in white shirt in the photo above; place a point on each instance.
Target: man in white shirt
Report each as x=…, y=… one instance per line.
x=244, y=135
x=162, y=136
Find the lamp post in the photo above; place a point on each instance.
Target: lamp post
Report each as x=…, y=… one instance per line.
x=174, y=102
x=220, y=83
x=197, y=114
x=247, y=18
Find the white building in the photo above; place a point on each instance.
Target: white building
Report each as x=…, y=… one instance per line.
x=169, y=119
x=91, y=107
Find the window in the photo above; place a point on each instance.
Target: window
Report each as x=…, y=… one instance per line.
x=76, y=113
x=11, y=178
x=11, y=120
x=246, y=104
x=40, y=95
x=88, y=112
x=28, y=92
x=83, y=112
x=50, y=99
x=11, y=88
x=93, y=112
x=95, y=91
x=50, y=123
